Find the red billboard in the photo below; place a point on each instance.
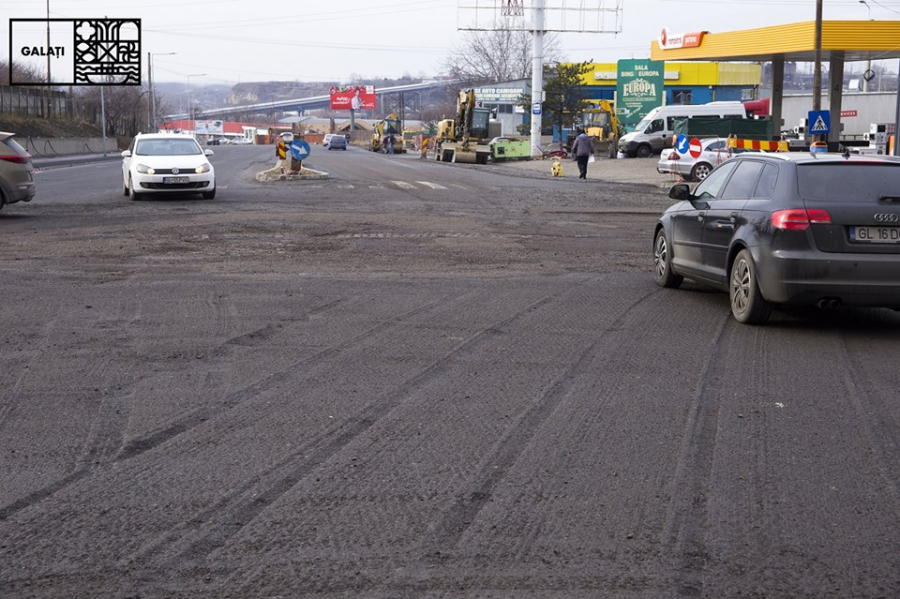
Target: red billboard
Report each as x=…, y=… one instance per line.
x=356, y=97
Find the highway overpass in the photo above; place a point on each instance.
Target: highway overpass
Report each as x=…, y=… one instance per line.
x=301, y=104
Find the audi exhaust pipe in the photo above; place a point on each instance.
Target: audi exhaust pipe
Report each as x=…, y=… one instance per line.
x=829, y=303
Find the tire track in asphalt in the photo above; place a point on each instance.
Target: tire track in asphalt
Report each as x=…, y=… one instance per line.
x=152, y=440
x=108, y=444
x=464, y=511
x=233, y=512
x=9, y=406
x=686, y=520
x=880, y=426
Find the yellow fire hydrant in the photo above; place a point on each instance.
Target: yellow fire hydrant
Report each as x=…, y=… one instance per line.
x=556, y=168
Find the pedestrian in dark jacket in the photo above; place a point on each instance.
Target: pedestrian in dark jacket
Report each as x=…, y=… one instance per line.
x=582, y=150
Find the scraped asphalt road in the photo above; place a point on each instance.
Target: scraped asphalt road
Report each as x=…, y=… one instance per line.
x=420, y=380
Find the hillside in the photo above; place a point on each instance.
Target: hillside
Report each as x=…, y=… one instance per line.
x=25, y=127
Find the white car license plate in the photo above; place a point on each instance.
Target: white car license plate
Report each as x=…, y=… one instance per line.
x=176, y=179
x=875, y=234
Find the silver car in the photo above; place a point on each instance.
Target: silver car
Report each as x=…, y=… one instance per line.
x=16, y=180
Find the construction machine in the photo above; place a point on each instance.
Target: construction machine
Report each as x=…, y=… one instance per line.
x=465, y=137
x=601, y=125
x=389, y=125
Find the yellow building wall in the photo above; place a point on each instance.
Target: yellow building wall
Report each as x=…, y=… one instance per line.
x=688, y=73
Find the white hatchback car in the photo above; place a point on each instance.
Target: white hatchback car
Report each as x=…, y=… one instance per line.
x=167, y=163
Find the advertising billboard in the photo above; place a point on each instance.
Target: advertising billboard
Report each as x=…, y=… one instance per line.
x=639, y=89
x=355, y=97
x=209, y=128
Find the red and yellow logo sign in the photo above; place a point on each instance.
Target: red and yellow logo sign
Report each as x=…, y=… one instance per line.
x=671, y=41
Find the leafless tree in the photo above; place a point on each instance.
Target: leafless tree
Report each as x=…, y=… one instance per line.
x=21, y=73
x=493, y=56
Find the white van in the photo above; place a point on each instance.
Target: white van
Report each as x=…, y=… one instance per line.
x=655, y=131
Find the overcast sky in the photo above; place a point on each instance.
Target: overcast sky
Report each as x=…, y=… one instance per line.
x=226, y=41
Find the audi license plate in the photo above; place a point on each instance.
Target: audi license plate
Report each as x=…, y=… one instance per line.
x=175, y=180
x=875, y=234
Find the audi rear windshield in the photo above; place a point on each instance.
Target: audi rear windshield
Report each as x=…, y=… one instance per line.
x=849, y=181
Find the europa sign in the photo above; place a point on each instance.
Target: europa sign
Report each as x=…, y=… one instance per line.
x=352, y=97
x=639, y=89
x=671, y=41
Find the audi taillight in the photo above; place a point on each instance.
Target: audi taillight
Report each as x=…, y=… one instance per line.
x=14, y=158
x=799, y=219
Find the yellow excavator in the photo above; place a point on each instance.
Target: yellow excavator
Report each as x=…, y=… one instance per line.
x=601, y=125
x=389, y=125
x=465, y=138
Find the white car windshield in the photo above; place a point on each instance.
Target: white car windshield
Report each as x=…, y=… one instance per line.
x=167, y=147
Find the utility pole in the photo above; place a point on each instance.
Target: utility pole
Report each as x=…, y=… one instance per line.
x=150, y=116
x=869, y=61
x=103, y=118
x=153, y=128
x=537, y=78
x=817, y=73
x=49, y=86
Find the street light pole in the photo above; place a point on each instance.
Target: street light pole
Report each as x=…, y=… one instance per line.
x=191, y=103
x=150, y=56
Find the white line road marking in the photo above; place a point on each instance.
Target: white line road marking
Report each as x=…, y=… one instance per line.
x=403, y=184
x=431, y=185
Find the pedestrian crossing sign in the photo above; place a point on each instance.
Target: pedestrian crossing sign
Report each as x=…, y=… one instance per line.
x=819, y=122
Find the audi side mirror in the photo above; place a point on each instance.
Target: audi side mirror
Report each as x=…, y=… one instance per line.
x=680, y=192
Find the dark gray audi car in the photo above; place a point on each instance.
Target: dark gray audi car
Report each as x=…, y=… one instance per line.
x=787, y=229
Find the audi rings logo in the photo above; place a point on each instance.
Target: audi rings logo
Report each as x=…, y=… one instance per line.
x=886, y=217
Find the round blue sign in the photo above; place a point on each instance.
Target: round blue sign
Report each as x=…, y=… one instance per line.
x=299, y=149
x=681, y=144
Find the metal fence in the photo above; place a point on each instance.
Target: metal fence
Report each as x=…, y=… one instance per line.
x=32, y=102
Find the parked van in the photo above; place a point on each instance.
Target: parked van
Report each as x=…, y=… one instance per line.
x=655, y=131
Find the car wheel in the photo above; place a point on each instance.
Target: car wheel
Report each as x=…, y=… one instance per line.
x=662, y=262
x=643, y=152
x=124, y=187
x=134, y=195
x=208, y=195
x=747, y=303
x=700, y=171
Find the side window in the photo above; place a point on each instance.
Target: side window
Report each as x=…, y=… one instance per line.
x=655, y=126
x=743, y=182
x=711, y=186
x=670, y=122
x=717, y=145
x=765, y=188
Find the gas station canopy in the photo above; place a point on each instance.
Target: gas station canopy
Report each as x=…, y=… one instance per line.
x=842, y=41
x=856, y=40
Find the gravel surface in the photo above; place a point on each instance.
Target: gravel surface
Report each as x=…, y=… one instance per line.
x=420, y=380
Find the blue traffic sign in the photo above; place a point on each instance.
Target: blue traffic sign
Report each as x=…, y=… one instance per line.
x=536, y=108
x=299, y=149
x=819, y=122
x=681, y=144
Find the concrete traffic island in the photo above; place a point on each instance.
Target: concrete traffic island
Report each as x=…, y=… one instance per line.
x=277, y=173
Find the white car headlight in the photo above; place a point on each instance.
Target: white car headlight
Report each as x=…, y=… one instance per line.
x=203, y=168
x=145, y=170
